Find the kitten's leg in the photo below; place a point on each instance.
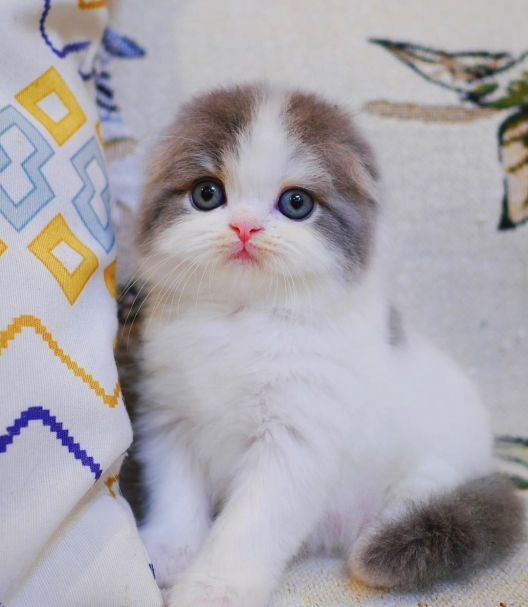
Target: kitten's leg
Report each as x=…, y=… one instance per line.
x=275, y=501
x=431, y=530
x=178, y=512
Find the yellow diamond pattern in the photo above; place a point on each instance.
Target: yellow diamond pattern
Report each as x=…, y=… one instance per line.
x=3, y=247
x=72, y=283
x=46, y=84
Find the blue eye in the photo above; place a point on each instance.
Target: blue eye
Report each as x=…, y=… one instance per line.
x=208, y=195
x=296, y=204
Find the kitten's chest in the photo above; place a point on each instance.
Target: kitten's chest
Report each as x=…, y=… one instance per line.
x=224, y=363
x=224, y=375
x=226, y=380
x=221, y=379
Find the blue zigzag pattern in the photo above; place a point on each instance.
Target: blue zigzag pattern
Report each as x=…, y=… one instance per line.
x=49, y=421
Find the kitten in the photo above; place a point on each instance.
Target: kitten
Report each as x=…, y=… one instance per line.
x=283, y=404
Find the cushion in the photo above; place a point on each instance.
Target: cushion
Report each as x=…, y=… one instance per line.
x=67, y=536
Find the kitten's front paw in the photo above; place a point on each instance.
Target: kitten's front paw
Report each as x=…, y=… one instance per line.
x=169, y=560
x=202, y=594
x=211, y=592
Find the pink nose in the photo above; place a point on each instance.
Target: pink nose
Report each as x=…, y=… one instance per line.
x=245, y=230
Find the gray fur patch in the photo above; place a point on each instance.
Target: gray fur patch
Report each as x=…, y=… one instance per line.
x=348, y=210
x=395, y=327
x=349, y=230
x=449, y=537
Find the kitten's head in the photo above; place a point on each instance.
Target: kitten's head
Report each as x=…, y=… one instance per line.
x=253, y=188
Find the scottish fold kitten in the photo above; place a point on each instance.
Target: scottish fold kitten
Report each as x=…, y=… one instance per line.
x=283, y=403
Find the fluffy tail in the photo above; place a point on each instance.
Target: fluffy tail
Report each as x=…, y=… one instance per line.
x=448, y=537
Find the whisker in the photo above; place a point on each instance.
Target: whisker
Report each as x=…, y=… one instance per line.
x=137, y=274
x=165, y=287
x=207, y=266
x=194, y=267
x=137, y=313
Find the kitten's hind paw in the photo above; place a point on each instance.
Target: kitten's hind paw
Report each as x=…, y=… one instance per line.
x=447, y=537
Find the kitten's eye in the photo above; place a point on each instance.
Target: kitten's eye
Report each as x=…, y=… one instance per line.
x=207, y=195
x=296, y=204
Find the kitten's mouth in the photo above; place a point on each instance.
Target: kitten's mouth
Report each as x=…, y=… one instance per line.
x=244, y=256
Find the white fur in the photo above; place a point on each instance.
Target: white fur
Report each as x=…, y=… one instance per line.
x=272, y=394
